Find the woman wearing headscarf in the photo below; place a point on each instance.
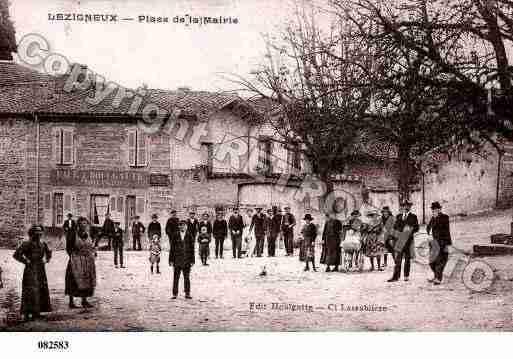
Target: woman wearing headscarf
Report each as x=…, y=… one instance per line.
x=81, y=269
x=35, y=296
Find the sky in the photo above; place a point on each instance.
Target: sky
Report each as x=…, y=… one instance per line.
x=161, y=55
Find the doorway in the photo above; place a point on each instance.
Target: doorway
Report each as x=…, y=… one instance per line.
x=129, y=213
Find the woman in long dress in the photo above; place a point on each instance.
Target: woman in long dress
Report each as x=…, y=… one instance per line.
x=373, y=237
x=331, y=237
x=35, y=296
x=81, y=269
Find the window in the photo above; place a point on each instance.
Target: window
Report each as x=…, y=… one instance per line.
x=207, y=150
x=64, y=149
x=294, y=158
x=137, y=151
x=264, y=155
x=58, y=209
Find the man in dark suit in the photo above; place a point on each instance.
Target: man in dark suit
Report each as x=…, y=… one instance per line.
x=220, y=231
x=236, y=225
x=406, y=225
x=172, y=226
x=258, y=222
x=181, y=257
x=154, y=227
x=108, y=230
x=192, y=224
x=137, y=231
x=439, y=253
x=69, y=226
x=272, y=230
x=287, y=226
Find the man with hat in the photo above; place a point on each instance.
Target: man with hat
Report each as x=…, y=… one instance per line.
x=117, y=245
x=181, y=258
x=154, y=228
x=172, y=226
x=274, y=230
x=69, y=226
x=406, y=225
x=192, y=224
x=258, y=222
x=137, y=231
x=287, y=226
x=439, y=253
x=236, y=225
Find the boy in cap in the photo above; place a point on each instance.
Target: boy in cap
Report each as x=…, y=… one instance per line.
x=309, y=233
x=137, y=231
x=439, y=252
x=204, y=244
x=117, y=245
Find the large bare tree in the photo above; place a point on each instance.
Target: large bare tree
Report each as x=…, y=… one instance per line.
x=314, y=107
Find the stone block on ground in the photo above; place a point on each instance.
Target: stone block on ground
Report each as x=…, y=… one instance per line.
x=501, y=238
x=492, y=249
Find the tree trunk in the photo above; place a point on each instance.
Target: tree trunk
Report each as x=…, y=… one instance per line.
x=325, y=177
x=405, y=172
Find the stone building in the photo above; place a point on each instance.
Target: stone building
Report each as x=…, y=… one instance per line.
x=63, y=151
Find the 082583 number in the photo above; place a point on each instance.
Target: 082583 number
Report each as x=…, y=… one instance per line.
x=53, y=344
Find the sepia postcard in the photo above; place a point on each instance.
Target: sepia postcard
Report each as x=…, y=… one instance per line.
x=255, y=165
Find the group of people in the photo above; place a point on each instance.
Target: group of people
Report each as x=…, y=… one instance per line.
x=376, y=236
x=248, y=233
x=379, y=234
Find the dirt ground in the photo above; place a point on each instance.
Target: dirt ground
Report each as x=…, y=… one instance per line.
x=230, y=295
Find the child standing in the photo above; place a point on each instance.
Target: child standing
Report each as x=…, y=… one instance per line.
x=204, y=244
x=155, y=250
x=309, y=233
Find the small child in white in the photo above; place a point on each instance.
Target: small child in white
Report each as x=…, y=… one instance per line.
x=155, y=250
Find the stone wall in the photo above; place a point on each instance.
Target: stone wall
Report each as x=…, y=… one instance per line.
x=14, y=138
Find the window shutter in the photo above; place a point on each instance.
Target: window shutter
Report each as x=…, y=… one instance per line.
x=131, y=147
x=57, y=149
x=67, y=147
x=47, y=201
x=139, y=205
x=112, y=204
x=141, y=148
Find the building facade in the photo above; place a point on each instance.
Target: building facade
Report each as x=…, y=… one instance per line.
x=60, y=153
